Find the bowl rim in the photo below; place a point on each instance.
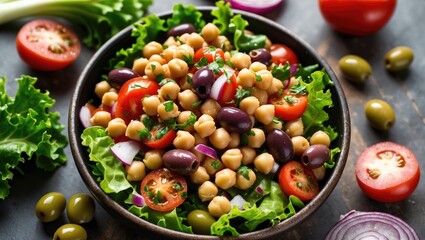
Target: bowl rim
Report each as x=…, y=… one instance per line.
x=122, y=213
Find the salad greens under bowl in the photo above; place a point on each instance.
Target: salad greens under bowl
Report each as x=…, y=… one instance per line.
x=113, y=192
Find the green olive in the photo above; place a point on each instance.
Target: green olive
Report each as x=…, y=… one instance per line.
x=379, y=114
x=80, y=208
x=354, y=68
x=200, y=221
x=398, y=59
x=70, y=231
x=50, y=206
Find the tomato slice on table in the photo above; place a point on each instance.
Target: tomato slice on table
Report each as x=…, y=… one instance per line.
x=297, y=180
x=282, y=54
x=289, y=106
x=129, y=104
x=160, y=137
x=387, y=172
x=47, y=45
x=163, y=190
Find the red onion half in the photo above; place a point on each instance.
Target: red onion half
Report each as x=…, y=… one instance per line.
x=204, y=149
x=371, y=225
x=255, y=6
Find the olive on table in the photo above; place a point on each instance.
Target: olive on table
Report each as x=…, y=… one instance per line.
x=315, y=156
x=280, y=146
x=50, y=206
x=380, y=114
x=121, y=75
x=261, y=55
x=181, y=161
x=398, y=59
x=70, y=231
x=200, y=221
x=234, y=119
x=80, y=208
x=354, y=68
x=202, y=82
x=181, y=29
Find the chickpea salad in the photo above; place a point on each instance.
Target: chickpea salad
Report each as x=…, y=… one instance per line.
x=208, y=128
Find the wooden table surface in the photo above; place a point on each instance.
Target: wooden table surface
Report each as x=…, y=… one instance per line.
x=405, y=93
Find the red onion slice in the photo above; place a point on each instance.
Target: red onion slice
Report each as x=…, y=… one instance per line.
x=204, y=149
x=138, y=200
x=218, y=86
x=126, y=151
x=255, y=6
x=275, y=167
x=238, y=201
x=85, y=116
x=378, y=225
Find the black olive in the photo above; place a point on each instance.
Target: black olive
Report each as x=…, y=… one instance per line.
x=181, y=29
x=234, y=119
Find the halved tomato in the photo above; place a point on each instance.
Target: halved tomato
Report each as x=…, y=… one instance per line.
x=289, y=106
x=297, y=180
x=47, y=45
x=282, y=54
x=210, y=53
x=160, y=137
x=387, y=172
x=163, y=190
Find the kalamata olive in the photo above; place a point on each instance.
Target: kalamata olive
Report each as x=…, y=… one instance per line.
x=70, y=231
x=202, y=81
x=355, y=68
x=315, y=156
x=181, y=29
x=80, y=208
x=280, y=146
x=234, y=119
x=50, y=206
x=398, y=58
x=181, y=161
x=121, y=75
x=379, y=114
x=261, y=55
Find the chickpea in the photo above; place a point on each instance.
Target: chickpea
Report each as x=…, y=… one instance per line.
x=256, y=138
x=101, y=118
x=293, y=81
x=169, y=91
x=200, y=176
x=187, y=98
x=320, y=137
x=199, y=156
x=169, y=53
x=184, y=83
x=212, y=165
x=220, y=138
x=232, y=158
x=222, y=42
x=257, y=66
x=274, y=87
x=319, y=172
x=300, y=144
x=225, y=178
x=178, y=68
x=265, y=114
x=168, y=110
x=260, y=94
x=210, y=32
x=153, y=159
x=295, y=127
x=136, y=171
x=207, y=191
x=166, y=71
x=157, y=58
x=275, y=124
x=152, y=48
x=210, y=107
x=184, y=117
x=116, y=127
x=150, y=105
x=154, y=70
x=184, y=140
x=170, y=42
x=249, y=105
x=246, y=180
x=109, y=98
x=132, y=130
x=205, y=126
x=264, y=79
x=139, y=65
x=101, y=88
x=264, y=162
x=195, y=41
x=219, y=206
x=240, y=60
x=235, y=140
x=184, y=52
x=248, y=155
x=200, y=140
x=246, y=78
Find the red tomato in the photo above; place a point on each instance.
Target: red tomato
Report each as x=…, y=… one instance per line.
x=289, y=106
x=163, y=190
x=282, y=54
x=163, y=141
x=210, y=53
x=129, y=104
x=47, y=45
x=297, y=180
x=93, y=109
x=226, y=96
x=387, y=172
x=356, y=17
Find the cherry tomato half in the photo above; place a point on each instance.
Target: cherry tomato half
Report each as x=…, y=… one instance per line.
x=47, y=45
x=387, y=172
x=161, y=137
x=210, y=53
x=129, y=104
x=282, y=54
x=289, y=106
x=226, y=96
x=355, y=17
x=163, y=190
x=297, y=180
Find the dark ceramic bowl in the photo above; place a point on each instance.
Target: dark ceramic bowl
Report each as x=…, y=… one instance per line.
x=339, y=118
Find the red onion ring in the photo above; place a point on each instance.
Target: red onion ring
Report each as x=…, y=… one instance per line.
x=204, y=149
x=138, y=200
x=256, y=6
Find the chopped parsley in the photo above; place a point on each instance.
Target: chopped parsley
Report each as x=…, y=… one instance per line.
x=169, y=106
x=244, y=171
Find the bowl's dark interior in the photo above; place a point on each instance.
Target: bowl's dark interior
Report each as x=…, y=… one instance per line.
x=339, y=118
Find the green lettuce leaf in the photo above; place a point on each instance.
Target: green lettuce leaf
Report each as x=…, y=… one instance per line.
x=29, y=130
x=185, y=14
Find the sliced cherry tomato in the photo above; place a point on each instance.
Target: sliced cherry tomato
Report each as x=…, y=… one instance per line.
x=387, y=172
x=129, y=104
x=282, y=54
x=357, y=17
x=47, y=45
x=163, y=190
x=160, y=137
x=93, y=109
x=228, y=92
x=297, y=180
x=289, y=106
x=210, y=53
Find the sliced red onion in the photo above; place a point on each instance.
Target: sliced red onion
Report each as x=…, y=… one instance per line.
x=256, y=6
x=378, y=225
x=138, y=200
x=126, y=151
x=85, y=116
x=293, y=68
x=274, y=168
x=204, y=149
x=218, y=86
x=238, y=201
x=259, y=190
